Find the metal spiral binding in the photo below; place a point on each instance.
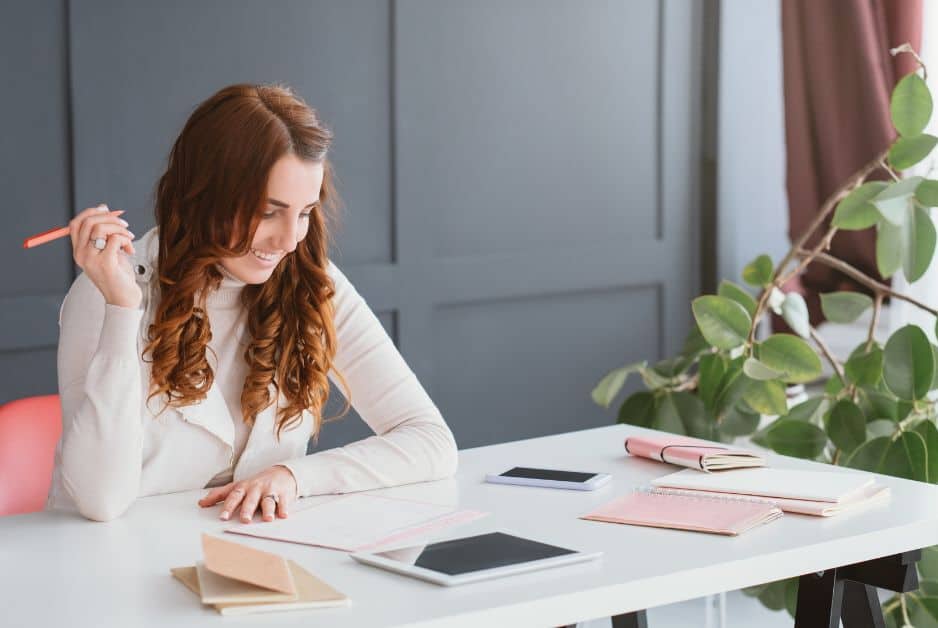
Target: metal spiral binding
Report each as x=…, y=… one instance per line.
x=695, y=495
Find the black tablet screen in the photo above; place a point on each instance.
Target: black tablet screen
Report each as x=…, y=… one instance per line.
x=475, y=553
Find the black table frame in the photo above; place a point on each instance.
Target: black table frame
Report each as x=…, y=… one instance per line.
x=845, y=593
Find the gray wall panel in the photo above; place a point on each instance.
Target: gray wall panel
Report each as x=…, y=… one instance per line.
x=139, y=69
x=28, y=372
x=525, y=367
x=35, y=175
x=531, y=131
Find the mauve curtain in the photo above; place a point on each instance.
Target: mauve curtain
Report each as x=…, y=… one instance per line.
x=838, y=76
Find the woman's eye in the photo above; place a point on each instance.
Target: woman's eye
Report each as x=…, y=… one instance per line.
x=306, y=215
x=268, y=214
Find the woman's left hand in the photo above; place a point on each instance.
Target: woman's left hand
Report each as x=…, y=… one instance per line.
x=248, y=495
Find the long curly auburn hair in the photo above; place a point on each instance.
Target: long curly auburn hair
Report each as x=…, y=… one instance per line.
x=208, y=206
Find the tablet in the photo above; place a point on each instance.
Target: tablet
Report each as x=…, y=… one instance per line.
x=473, y=558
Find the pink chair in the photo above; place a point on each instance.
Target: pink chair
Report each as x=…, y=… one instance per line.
x=29, y=431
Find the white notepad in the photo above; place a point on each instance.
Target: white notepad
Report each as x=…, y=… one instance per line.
x=823, y=486
x=359, y=522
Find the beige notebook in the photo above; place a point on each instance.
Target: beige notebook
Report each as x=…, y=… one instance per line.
x=311, y=593
x=233, y=562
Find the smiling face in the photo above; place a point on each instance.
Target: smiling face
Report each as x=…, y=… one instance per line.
x=292, y=194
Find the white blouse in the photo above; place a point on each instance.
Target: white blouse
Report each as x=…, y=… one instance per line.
x=115, y=447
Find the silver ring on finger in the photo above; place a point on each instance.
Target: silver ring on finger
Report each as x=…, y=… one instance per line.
x=273, y=497
x=99, y=243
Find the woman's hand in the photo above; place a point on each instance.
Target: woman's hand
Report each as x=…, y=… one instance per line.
x=248, y=495
x=106, y=267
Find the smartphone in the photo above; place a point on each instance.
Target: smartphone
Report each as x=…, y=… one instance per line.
x=550, y=478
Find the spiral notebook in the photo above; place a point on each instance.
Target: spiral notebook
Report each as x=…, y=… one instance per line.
x=680, y=510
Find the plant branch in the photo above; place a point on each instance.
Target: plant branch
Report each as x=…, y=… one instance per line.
x=827, y=354
x=829, y=204
x=887, y=168
x=874, y=321
x=822, y=246
x=858, y=178
x=878, y=288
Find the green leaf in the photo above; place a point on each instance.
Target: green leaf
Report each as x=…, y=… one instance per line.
x=855, y=211
x=908, y=151
x=927, y=193
x=926, y=429
x=918, y=245
x=809, y=411
x=773, y=595
x=739, y=423
x=833, y=386
x=691, y=411
x=767, y=397
x=865, y=368
x=791, y=356
x=909, y=364
x=732, y=291
x=694, y=343
x=881, y=427
x=910, y=105
x=723, y=322
x=652, y=379
x=758, y=272
x=754, y=369
x=668, y=414
x=791, y=596
x=610, y=385
x=846, y=426
x=888, y=248
x=934, y=379
x=732, y=388
x=672, y=367
x=795, y=438
x=883, y=405
x=869, y=456
x=904, y=457
x=844, y=307
x=907, y=458
x=756, y=590
x=638, y=409
x=928, y=565
x=710, y=375
x=895, y=199
x=923, y=610
x=795, y=313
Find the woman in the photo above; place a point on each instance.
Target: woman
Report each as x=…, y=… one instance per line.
x=200, y=355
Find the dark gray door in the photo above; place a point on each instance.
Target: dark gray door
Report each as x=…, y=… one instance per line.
x=520, y=177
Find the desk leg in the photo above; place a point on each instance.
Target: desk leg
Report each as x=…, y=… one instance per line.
x=861, y=607
x=849, y=592
x=638, y=619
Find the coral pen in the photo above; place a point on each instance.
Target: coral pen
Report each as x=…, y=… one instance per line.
x=45, y=236
x=52, y=234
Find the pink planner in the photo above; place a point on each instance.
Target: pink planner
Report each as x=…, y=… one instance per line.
x=692, y=452
x=658, y=509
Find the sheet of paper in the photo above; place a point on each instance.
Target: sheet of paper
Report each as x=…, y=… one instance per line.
x=357, y=522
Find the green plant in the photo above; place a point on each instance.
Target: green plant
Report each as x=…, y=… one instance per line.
x=878, y=411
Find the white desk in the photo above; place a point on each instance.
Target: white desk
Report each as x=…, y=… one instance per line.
x=58, y=570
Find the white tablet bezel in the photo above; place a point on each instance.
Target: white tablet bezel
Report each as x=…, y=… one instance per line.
x=437, y=577
x=598, y=479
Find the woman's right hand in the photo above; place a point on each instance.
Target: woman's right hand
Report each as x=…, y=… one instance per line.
x=107, y=268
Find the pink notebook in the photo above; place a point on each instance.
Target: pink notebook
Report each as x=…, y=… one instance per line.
x=692, y=452
x=661, y=509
